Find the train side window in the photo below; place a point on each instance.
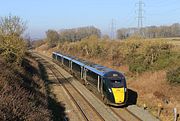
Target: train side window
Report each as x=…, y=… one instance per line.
x=103, y=80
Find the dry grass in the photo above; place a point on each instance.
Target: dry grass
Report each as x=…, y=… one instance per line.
x=22, y=93
x=153, y=89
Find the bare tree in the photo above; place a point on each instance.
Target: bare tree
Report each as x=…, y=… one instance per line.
x=12, y=25
x=152, y=31
x=76, y=34
x=52, y=38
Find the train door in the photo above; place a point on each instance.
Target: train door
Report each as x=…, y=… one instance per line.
x=62, y=61
x=81, y=72
x=104, y=91
x=99, y=83
x=85, y=75
x=102, y=86
x=70, y=64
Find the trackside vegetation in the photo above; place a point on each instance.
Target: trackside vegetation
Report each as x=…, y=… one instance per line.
x=140, y=55
x=12, y=45
x=173, y=75
x=23, y=96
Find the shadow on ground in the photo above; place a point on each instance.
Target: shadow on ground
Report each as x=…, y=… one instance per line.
x=132, y=97
x=57, y=108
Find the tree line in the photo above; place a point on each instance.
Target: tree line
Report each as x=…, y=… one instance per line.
x=151, y=31
x=71, y=35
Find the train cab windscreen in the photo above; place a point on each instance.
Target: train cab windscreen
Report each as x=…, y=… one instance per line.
x=116, y=83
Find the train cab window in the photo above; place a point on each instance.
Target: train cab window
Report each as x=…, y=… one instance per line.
x=116, y=83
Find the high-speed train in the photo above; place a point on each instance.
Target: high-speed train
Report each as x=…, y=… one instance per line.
x=109, y=83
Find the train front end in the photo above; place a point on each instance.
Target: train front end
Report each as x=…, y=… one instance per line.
x=115, y=88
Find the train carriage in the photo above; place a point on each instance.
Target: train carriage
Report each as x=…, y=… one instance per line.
x=58, y=57
x=54, y=55
x=77, y=67
x=108, y=82
x=67, y=61
x=92, y=76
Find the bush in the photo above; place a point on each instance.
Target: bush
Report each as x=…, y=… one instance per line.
x=140, y=55
x=137, y=65
x=12, y=49
x=150, y=55
x=173, y=75
x=12, y=46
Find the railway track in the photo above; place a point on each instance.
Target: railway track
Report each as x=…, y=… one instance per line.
x=88, y=112
x=128, y=113
x=125, y=115
x=82, y=104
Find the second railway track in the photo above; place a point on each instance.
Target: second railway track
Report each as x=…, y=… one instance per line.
x=87, y=110
x=125, y=115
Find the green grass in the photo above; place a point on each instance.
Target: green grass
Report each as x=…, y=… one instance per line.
x=173, y=75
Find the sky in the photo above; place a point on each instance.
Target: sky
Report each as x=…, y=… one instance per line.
x=42, y=15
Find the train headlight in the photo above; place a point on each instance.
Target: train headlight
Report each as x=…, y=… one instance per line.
x=110, y=90
x=125, y=89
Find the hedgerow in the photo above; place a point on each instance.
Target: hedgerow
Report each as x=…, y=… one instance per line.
x=140, y=55
x=145, y=55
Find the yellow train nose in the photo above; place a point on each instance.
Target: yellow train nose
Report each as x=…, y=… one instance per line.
x=119, y=95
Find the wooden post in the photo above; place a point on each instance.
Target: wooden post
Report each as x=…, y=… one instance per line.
x=175, y=114
x=159, y=109
x=144, y=106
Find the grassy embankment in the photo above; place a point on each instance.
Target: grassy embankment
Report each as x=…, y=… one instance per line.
x=23, y=95
x=152, y=67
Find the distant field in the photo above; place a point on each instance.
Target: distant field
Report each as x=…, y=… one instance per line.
x=173, y=40
x=169, y=38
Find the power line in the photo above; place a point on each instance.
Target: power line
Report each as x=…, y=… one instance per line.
x=113, y=29
x=140, y=16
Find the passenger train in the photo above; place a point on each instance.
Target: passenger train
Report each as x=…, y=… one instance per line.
x=109, y=83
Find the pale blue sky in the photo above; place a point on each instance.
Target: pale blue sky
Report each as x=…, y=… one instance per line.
x=42, y=15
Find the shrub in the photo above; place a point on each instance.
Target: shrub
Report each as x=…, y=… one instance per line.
x=149, y=55
x=12, y=46
x=173, y=75
x=140, y=55
x=137, y=65
x=12, y=49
